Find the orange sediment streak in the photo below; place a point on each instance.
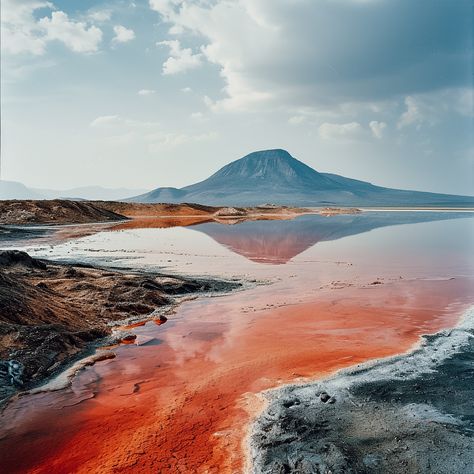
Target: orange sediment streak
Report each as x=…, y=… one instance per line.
x=161, y=223
x=182, y=402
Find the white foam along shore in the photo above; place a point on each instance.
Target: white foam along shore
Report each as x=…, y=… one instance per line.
x=422, y=359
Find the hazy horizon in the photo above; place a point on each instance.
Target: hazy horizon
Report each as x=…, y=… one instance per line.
x=165, y=92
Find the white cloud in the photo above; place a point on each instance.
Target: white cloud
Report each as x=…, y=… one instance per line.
x=181, y=59
x=340, y=131
x=296, y=120
x=286, y=54
x=165, y=7
x=429, y=108
x=106, y=121
x=208, y=101
x=122, y=34
x=186, y=89
x=146, y=92
x=240, y=99
x=100, y=16
x=19, y=28
x=77, y=36
x=23, y=33
x=176, y=30
x=412, y=115
x=377, y=128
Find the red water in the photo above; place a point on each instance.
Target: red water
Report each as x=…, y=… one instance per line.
x=181, y=396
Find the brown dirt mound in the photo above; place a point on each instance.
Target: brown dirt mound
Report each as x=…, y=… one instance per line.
x=130, y=209
x=50, y=312
x=57, y=211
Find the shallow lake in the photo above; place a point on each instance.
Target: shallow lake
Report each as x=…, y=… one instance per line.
x=320, y=293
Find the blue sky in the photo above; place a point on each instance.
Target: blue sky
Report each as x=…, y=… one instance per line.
x=164, y=92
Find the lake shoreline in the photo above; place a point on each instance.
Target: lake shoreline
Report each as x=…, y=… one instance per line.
x=66, y=212
x=403, y=414
x=54, y=314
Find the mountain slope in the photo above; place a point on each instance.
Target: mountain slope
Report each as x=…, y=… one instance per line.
x=275, y=176
x=167, y=194
x=273, y=169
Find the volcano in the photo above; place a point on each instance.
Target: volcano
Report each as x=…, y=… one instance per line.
x=275, y=176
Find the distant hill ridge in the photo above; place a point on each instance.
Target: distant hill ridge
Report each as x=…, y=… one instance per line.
x=16, y=190
x=275, y=176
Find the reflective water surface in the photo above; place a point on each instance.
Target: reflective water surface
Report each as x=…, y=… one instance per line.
x=337, y=291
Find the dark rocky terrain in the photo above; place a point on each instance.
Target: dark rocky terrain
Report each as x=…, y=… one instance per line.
x=275, y=176
x=57, y=211
x=406, y=415
x=51, y=313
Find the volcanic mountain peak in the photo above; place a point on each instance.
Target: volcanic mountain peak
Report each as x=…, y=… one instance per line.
x=275, y=176
x=262, y=164
x=274, y=168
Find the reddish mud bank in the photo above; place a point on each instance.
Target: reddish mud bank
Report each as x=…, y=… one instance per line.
x=160, y=223
x=181, y=397
x=165, y=222
x=61, y=211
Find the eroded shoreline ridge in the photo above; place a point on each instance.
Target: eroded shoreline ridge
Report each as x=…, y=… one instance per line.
x=62, y=211
x=409, y=413
x=52, y=313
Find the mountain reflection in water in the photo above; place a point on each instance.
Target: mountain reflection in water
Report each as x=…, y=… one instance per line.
x=278, y=241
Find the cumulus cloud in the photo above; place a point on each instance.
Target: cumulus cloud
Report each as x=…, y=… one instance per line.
x=428, y=108
x=146, y=92
x=291, y=52
x=377, y=128
x=122, y=34
x=338, y=131
x=23, y=33
x=77, y=36
x=19, y=28
x=100, y=16
x=165, y=7
x=412, y=114
x=180, y=59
